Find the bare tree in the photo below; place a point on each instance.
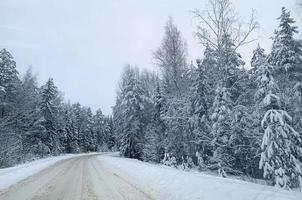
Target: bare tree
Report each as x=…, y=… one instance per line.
x=220, y=19
x=171, y=58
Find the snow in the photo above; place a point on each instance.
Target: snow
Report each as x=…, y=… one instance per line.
x=12, y=175
x=164, y=182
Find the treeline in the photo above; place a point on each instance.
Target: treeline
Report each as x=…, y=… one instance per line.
x=35, y=121
x=217, y=114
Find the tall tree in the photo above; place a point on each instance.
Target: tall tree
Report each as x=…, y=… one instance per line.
x=278, y=159
x=49, y=108
x=9, y=82
x=286, y=50
x=171, y=58
x=222, y=158
x=131, y=110
x=10, y=143
x=200, y=105
x=30, y=119
x=154, y=147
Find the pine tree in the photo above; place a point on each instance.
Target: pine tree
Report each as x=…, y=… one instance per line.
x=110, y=135
x=211, y=70
x=179, y=130
x=286, y=51
x=9, y=82
x=99, y=125
x=221, y=132
x=71, y=138
x=278, y=159
x=49, y=108
x=228, y=63
x=244, y=142
x=30, y=119
x=200, y=105
x=10, y=143
x=257, y=58
x=154, y=147
x=132, y=108
x=89, y=137
x=286, y=57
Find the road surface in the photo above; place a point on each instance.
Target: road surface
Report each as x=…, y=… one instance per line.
x=76, y=178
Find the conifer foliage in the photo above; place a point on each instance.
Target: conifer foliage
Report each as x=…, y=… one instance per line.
x=35, y=121
x=218, y=115
x=278, y=152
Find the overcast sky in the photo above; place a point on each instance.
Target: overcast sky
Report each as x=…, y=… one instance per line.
x=84, y=44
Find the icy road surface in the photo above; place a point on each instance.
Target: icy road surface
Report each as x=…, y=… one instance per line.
x=107, y=176
x=82, y=177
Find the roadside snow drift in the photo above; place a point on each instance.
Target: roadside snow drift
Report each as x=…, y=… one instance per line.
x=12, y=175
x=169, y=183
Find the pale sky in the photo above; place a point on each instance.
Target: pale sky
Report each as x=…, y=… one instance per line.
x=84, y=44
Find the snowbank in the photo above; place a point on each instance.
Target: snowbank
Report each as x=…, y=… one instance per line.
x=12, y=175
x=169, y=183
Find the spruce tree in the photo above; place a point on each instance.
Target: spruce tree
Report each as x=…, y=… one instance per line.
x=30, y=118
x=278, y=159
x=286, y=50
x=9, y=82
x=132, y=108
x=10, y=142
x=222, y=159
x=154, y=147
x=49, y=108
x=200, y=105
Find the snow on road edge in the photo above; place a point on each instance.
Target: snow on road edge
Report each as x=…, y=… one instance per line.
x=169, y=183
x=12, y=175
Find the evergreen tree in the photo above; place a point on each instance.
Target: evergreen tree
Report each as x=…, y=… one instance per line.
x=244, y=142
x=110, y=136
x=278, y=159
x=179, y=130
x=257, y=58
x=286, y=51
x=30, y=119
x=154, y=147
x=132, y=105
x=9, y=82
x=10, y=143
x=49, y=108
x=99, y=124
x=286, y=58
x=71, y=138
x=221, y=132
x=200, y=104
x=89, y=137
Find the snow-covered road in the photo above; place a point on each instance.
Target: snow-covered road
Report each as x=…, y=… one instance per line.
x=82, y=177
x=107, y=176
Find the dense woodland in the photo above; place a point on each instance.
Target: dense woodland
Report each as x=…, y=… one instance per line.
x=35, y=122
x=218, y=114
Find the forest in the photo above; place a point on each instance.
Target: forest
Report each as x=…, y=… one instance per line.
x=35, y=122
x=216, y=114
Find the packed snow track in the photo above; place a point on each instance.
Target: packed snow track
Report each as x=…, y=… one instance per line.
x=82, y=177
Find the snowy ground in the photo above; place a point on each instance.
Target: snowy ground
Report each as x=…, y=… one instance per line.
x=77, y=178
x=169, y=183
x=107, y=176
x=12, y=175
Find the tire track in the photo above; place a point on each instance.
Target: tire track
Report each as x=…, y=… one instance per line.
x=77, y=178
